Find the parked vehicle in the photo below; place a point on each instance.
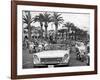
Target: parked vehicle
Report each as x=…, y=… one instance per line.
x=51, y=58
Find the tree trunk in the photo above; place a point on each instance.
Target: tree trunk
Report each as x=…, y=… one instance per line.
x=29, y=27
x=41, y=30
x=29, y=33
x=45, y=32
x=68, y=33
x=75, y=35
x=56, y=32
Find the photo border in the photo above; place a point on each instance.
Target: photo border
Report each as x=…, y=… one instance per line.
x=14, y=38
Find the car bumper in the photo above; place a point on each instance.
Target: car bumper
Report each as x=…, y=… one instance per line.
x=55, y=64
x=47, y=65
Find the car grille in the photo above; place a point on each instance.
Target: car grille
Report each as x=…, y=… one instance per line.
x=51, y=60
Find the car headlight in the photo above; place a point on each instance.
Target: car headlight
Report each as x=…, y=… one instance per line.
x=36, y=59
x=65, y=58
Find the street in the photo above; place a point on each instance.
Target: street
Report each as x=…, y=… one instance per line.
x=28, y=60
x=74, y=62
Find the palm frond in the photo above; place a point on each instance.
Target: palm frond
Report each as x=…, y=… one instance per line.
x=57, y=19
x=38, y=18
x=47, y=17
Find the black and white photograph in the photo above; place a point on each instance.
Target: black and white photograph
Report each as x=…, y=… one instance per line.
x=55, y=39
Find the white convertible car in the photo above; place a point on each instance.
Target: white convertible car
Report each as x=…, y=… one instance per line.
x=51, y=58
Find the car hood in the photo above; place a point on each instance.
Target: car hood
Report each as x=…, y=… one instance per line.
x=52, y=54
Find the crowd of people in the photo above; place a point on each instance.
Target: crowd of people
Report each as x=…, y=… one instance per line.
x=35, y=45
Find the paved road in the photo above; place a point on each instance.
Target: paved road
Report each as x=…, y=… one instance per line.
x=74, y=62
x=28, y=60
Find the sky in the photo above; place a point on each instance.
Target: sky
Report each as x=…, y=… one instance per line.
x=81, y=20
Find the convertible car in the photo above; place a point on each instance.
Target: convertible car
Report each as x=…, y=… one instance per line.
x=51, y=58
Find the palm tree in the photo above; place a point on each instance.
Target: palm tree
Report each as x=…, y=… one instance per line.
x=27, y=19
x=40, y=18
x=79, y=33
x=67, y=25
x=47, y=20
x=57, y=20
x=73, y=28
x=70, y=27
